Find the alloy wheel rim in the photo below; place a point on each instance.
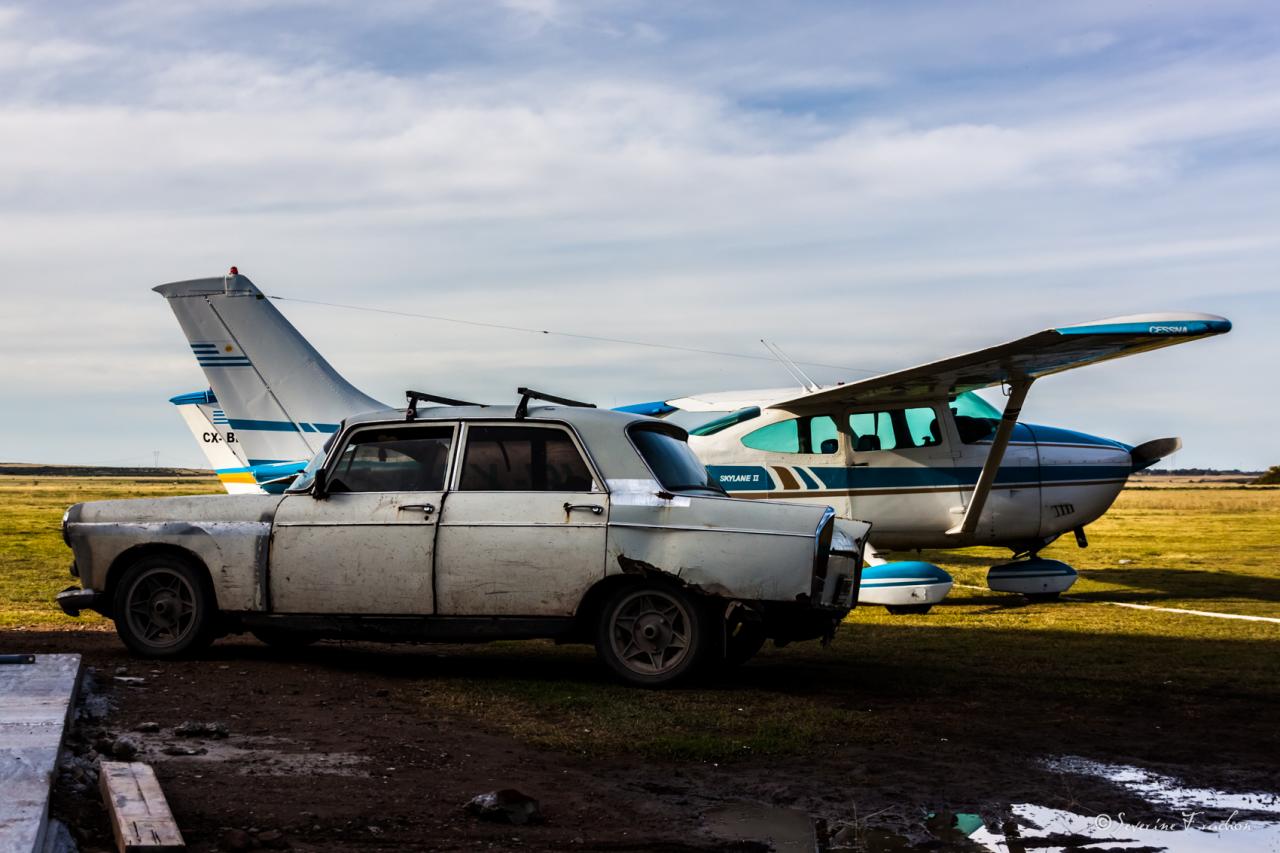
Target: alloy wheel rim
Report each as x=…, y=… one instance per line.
x=161, y=608
x=650, y=632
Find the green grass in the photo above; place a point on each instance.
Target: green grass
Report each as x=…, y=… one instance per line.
x=983, y=672
x=33, y=559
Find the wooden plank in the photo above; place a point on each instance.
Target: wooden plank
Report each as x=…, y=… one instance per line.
x=35, y=705
x=140, y=816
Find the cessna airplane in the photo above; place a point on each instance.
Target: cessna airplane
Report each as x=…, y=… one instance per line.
x=916, y=451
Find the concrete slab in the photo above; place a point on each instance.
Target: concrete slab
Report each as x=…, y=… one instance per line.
x=35, y=706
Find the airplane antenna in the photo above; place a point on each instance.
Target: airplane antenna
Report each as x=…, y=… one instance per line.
x=790, y=365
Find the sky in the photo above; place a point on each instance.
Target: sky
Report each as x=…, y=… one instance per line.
x=872, y=185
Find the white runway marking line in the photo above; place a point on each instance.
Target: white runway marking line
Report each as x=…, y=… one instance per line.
x=1210, y=613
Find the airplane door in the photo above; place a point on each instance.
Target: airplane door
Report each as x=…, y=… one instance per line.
x=902, y=474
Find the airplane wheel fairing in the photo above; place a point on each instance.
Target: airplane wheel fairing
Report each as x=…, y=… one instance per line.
x=164, y=608
x=908, y=609
x=905, y=583
x=1034, y=577
x=652, y=635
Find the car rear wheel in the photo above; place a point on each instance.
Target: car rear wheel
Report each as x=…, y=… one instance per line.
x=164, y=608
x=651, y=635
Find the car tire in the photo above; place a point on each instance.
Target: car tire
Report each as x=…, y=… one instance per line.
x=908, y=609
x=164, y=607
x=283, y=638
x=652, y=634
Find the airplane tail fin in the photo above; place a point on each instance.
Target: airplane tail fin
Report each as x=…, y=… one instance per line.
x=281, y=397
x=211, y=430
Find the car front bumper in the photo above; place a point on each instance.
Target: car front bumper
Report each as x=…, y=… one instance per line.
x=73, y=599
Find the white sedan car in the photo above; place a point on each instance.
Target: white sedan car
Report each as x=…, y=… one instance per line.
x=475, y=523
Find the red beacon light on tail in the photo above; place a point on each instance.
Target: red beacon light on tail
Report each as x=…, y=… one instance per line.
x=234, y=271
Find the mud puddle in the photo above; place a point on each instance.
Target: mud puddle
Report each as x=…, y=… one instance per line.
x=783, y=830
x=1168, y=817
x=255, y=756
x=1197, y=820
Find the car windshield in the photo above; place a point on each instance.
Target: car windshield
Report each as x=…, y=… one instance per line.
x=303, y=481
x=672, y=462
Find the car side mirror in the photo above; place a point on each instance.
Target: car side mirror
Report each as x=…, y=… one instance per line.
x=320, y=485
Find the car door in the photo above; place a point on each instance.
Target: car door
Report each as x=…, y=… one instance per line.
x=368, y=547
x=523, y=530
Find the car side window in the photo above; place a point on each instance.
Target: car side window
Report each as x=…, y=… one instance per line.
x=522, y=459
x=394, y=460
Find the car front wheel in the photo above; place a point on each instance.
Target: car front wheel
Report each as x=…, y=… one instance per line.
x=651, y=635
x=164, y=608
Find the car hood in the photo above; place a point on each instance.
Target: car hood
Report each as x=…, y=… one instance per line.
x=228, y=508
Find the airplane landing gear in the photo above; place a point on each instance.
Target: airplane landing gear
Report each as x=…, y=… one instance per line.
x=1036, y=578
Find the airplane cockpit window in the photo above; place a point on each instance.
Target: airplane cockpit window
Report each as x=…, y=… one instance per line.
x=976, y=419
x=815, y=434
x=895, y=429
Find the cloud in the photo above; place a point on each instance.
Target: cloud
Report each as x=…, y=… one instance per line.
x=869, y=187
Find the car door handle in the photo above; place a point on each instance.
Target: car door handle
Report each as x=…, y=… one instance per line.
x=594, y=509
x=427, y=509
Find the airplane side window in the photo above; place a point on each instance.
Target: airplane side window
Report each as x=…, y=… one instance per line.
x=923, y=427
x=896, y=429
x=782, y=437
x=814, y=434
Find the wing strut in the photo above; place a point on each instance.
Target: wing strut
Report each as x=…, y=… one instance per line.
x=1012, y=408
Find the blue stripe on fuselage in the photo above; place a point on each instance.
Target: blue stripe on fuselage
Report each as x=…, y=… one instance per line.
x=741, y=478
x=752, y=478
x=279, y=426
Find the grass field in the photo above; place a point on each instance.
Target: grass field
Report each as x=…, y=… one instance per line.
x=980, y=670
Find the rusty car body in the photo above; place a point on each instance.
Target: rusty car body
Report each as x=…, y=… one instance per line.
x=473, y=523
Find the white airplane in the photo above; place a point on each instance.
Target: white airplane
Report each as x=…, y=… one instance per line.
x=916, y=451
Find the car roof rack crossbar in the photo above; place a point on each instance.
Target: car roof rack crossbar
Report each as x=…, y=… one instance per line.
x=527, y=394
x=416, y=397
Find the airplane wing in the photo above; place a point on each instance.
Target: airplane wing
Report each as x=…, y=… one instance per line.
x=1029, y=358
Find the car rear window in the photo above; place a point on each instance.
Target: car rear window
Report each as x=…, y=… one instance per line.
x=672, y=462
x=523, y=459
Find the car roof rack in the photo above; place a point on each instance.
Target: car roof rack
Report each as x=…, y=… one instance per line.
x=527, y=394
x=415, y=397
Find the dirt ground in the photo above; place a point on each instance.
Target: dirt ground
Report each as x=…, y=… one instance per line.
x=331, y=748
